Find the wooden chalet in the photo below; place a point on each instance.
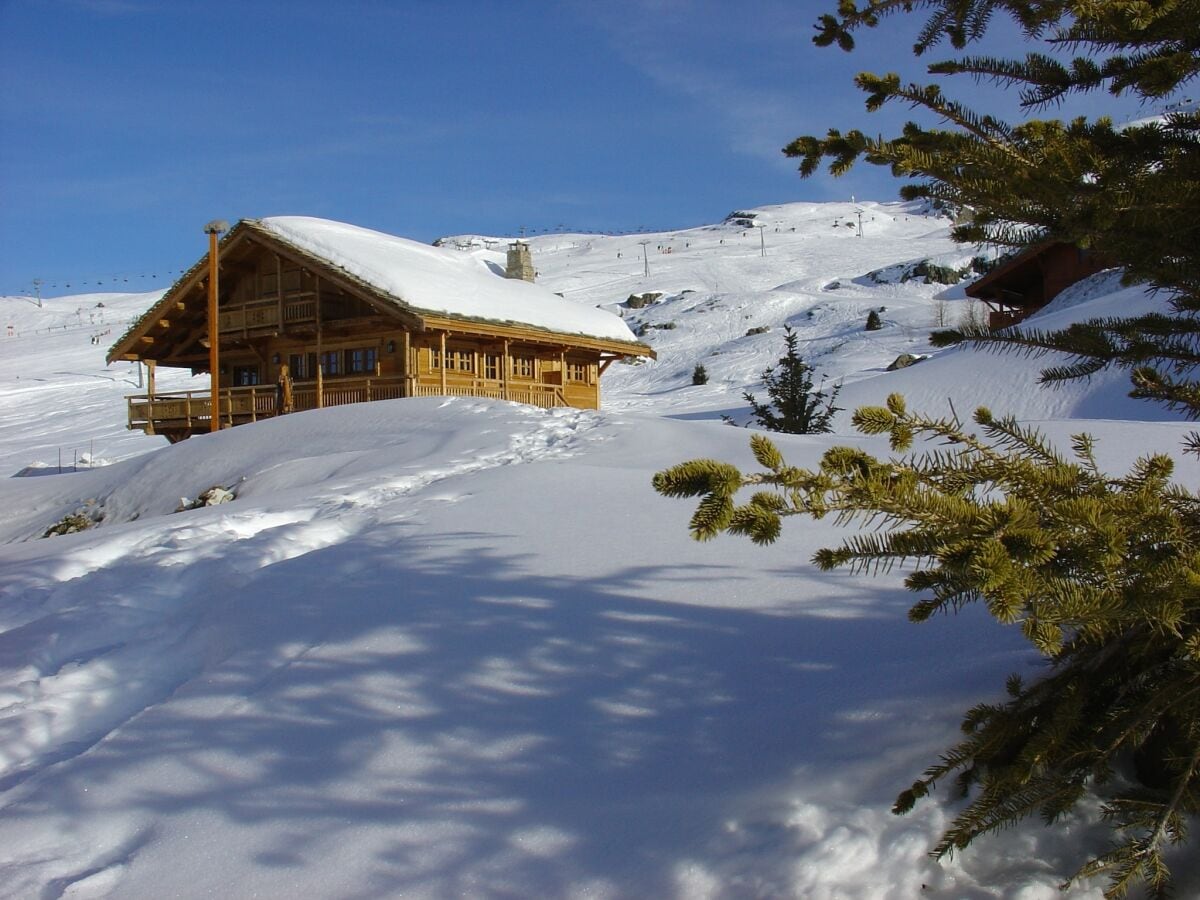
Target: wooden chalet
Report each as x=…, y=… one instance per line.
x=1024, y=283
x=315, y=313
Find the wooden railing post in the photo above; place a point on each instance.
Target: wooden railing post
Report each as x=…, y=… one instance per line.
x=443, y=352
x=507, y=364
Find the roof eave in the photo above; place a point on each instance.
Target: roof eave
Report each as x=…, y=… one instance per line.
x=125, y=345
x=384, y=301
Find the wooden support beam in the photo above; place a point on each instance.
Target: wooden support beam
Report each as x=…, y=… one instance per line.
x=317, y=295
x=443, y=337
x=507, y=364
x=199, y=334
x=214, y=340
x=320, y=362
x=279, y=291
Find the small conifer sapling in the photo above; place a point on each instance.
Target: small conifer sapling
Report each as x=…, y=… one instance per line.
x=795, y=406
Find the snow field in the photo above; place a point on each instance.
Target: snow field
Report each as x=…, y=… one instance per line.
x=448, y=647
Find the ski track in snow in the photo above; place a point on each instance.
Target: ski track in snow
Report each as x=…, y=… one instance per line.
x=71, y=698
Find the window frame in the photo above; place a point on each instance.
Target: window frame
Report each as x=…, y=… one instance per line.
x=524, y=366
x=245, y=375
x=360, y=360
x=329, y=357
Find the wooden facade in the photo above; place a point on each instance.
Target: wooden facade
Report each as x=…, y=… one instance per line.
x=1023, y=284
x=297, y=332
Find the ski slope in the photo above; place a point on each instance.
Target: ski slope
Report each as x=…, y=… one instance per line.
x=452, y=647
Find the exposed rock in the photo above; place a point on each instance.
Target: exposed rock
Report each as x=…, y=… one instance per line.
x=640, y=301
x=81, y=520
x=214, y=496
x=904, y=360
x=69, y=525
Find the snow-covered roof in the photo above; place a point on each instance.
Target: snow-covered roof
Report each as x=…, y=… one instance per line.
x=441, y=281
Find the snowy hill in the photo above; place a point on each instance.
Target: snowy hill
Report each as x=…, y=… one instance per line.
x=451, y=647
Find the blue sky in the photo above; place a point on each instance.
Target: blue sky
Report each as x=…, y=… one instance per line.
x=125, y=125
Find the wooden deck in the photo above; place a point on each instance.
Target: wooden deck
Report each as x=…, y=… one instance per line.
x=181, y=414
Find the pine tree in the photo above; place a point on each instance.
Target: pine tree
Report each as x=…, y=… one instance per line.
x=699, y=374
x=1102, y=576
x=795, y=406
x=1083, y=181
x=874, y=323
x=1130, y=194
x=1100, y=573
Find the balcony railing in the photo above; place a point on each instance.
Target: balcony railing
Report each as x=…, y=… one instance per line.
x=266, y=315
x=182, y=413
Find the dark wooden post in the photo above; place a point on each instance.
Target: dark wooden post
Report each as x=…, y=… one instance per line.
x=279, y=292
x=213, y=229
x=506, y=364
x=443, y=362
x=320, y=360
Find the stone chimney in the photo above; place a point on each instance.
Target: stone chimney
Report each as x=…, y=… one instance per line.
x=520, y=262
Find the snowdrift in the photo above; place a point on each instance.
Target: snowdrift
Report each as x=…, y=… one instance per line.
x=450, y=647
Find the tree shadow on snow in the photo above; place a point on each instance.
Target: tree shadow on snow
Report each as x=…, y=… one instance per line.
x=427, y=715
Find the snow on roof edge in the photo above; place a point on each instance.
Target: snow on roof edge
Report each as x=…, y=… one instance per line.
x=433, y=281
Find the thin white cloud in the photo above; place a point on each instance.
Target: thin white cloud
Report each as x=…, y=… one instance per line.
x=109, y=7
x=714, y=55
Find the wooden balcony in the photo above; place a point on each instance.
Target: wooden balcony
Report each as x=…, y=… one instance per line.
x=266, y=315
x=181, y=414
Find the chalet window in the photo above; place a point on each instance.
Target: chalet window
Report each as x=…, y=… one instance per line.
x=331, y=362
x=491, y=366
x=456, y=360
x=578, y=372
x=361, y=360
x=522, y=366
x=243, y=376
x=302, y=366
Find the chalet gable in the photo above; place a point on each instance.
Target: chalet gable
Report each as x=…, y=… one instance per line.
x=353, y=268
x=313, y=313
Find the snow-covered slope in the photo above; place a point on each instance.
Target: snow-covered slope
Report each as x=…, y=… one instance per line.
x=58, y=400
x=448, y=647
